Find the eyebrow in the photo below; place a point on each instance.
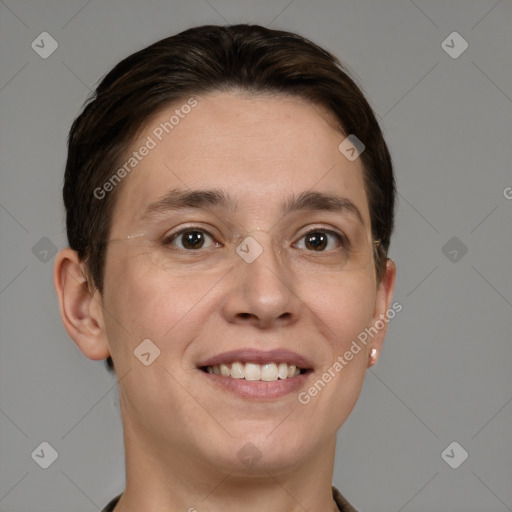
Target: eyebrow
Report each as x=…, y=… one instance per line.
x=177, y=199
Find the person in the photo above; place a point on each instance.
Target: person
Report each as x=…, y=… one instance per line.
x=229, y=206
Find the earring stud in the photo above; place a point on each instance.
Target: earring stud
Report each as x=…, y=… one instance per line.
x=373, y=353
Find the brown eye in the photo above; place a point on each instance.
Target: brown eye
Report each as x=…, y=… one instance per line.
x=189, y=239
x=192, y=239
x=317, y=240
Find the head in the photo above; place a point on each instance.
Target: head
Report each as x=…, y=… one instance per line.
x=236, y=123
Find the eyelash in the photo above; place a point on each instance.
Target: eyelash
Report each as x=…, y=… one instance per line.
x=167, y=241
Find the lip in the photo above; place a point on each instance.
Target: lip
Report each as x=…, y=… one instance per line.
x=258, y=357
x=258, y=389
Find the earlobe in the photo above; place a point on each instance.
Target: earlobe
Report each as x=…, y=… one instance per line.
x=372, y=358
x=80, y=307
x=381, y=319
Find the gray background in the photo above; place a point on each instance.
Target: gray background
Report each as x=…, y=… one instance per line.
x=445, y=372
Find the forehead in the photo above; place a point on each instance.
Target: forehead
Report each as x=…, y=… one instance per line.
x=261, y=149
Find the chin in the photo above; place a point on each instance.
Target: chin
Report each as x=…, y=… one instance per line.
x=257, y=451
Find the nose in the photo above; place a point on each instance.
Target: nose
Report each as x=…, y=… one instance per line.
x=262, y=293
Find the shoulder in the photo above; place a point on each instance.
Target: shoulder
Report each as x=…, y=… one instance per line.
x=111, y=504
x=343, y=504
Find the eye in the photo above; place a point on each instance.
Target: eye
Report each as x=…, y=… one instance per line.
x=318, y=239
x=191, y=239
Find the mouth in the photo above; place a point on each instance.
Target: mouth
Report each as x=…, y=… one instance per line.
x=257, y=375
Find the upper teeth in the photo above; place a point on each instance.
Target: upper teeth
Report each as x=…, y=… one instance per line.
x=252, y=371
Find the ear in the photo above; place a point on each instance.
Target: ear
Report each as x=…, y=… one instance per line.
x=380, y=319
x=80, y=306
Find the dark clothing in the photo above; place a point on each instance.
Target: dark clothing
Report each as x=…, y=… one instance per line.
x=343, y=504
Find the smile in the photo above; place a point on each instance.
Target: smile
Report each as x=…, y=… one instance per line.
x=267, y=372
x=259, y=375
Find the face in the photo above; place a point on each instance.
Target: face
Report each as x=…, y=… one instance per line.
x=249, y=286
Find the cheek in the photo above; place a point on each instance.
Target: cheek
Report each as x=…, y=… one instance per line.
x=146, y=302
x=343, y=304
x=343, y=310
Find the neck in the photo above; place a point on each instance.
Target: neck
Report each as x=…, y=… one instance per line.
x=162, y=479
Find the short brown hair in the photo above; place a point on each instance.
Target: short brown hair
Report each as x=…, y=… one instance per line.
x=198, y=61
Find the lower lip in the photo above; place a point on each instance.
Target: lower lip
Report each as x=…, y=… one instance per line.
x=258, y=389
